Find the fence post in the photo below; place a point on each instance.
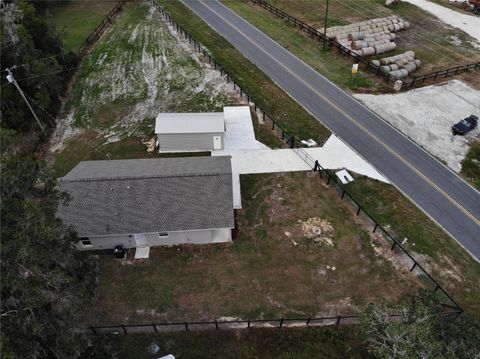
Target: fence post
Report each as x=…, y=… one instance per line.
x=308, y=321
x=154, y=328
x=343, y=193
x=375, y=228
x=281, y=322
x=216, y=325
x=359, y=209
x=292, y=143
x=413, y=267
x=248, y=325
x=93, y=330
x=394, y=244
x=338, y=320
x=124, y=329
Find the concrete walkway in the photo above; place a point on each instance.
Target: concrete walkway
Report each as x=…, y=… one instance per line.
x=333, y=155
x=468, y=23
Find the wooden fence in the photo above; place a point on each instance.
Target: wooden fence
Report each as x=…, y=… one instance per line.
x=95, y=34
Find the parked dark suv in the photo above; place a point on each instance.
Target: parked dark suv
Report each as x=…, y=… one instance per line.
x=465, y=125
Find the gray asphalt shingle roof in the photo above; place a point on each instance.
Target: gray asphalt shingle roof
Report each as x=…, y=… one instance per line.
x=148, y=195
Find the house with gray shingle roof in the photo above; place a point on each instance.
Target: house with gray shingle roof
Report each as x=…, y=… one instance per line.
x=149, y=202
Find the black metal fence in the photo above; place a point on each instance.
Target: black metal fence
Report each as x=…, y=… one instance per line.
x=224, y=325
x=95, y=34
x=452, y=71
x=329, y=179
x=407, y=83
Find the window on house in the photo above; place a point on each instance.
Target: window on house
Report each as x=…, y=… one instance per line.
x=162, y=234
x=86, y=242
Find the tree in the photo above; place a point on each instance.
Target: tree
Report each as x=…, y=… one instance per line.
x=421, y=330
x=33, y=44
x=44, y=280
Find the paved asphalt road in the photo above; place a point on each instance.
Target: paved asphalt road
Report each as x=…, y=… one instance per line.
x=439, y=192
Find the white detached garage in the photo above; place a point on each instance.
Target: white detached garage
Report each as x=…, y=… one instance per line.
x=184, y=132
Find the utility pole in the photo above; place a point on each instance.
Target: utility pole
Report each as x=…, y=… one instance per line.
x=12, y=80
x=325, y=27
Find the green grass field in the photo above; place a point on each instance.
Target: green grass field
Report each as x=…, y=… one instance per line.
x=76, y=19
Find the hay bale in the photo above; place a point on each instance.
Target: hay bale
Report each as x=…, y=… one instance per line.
x=399, y=74
x=418, y=63
x=385, y=47
x=354, y=36
x=375, y=62
x=410, y=67
x=368, y=51
x=357, y=45
x=393, y=67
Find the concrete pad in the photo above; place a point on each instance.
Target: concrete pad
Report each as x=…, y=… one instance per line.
x=344, y=176
x=335, y=154
x=239, y=134
x=142, y=252
x=426, y=115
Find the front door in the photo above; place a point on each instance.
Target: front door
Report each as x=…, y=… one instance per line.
x=217, y=142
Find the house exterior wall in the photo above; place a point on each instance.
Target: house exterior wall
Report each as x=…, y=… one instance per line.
x=219, y=235
x=188, y=141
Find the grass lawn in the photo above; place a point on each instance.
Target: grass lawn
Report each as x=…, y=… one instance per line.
x=78, y=18
x=448, y=263
x=271, y=270
x=471, y=165
x=252, y=344
x=436, y=44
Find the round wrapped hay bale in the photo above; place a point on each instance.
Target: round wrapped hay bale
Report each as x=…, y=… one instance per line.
x=410, y=67
x=386, y=61
x=368, y=51
x=393, y=67
x=358, y=52
x=375, y=62
x=401, y=25
x=386, y=47
x=354, y=36
x=393, y=36
x=399, y=74
x=385, y=69
x=391, y=28
x=410, y=53
x=396, y=27
x=357, y=45
x=418, y=63
x=406, y=25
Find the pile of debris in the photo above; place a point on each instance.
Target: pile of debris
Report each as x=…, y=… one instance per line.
x=371, y=37
x=399, y=66
x=319, y=230
x=471, y=5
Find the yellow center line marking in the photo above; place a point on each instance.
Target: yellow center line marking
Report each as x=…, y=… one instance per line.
x=426, y=179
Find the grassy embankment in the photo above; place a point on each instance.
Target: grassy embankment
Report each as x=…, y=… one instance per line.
x=271, y=270
x=252, y=344
x=436, y=44
x=77, y=19
x=471, y=165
